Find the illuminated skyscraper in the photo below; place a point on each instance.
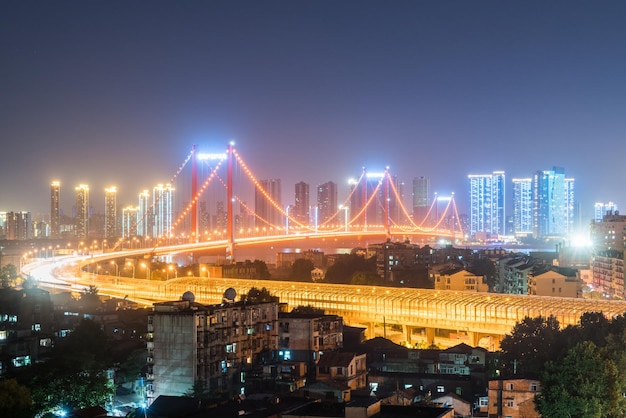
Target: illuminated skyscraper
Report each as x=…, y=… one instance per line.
x=301, y=207
x=421, y=199
x=82, y=211
x=326, y=202
x=143, y=227
x=601, y=209
x=523, y=206
x=267, y=211
x=130, y=219
x=110, y=212
x=55, y=211
x=487, y=207
x=553, y=203
x=162, y=204
x=19, y=225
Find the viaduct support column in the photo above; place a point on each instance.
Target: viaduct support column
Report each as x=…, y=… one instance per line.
x=430, y=336
x=194, y=194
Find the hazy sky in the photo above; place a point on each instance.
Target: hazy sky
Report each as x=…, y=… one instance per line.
x=117, y=92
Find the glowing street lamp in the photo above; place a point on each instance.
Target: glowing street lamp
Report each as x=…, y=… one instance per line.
x=145, y=266
x=130, y=263
x=117, y=269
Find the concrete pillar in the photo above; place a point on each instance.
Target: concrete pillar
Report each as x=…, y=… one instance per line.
x=430, y=336
x=407, y=330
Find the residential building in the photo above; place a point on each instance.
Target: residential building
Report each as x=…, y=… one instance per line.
x=601, y=209
x=610, y=232
x=553, y=203
x=190, y=343
x=459, y=279
x=513, y=398
x=607, y=270
x=286, y=259
x=268, y=204
x=130, y=220
x=26, y=327
x=110, y=212
x=523, y=206
x=487, y=204
x=55, y=209
x=82, y=211
x=556, y=281
x=163, y=210
x=304, y=337
x=393, y=259
x=327, y=203
x=19, y=225
x=346, y=368
x=300, y=212
x=145, y=216
x=421, y=200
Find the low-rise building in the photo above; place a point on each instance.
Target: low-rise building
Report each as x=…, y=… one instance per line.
x=513, y=398
x=343, y=367
x=459, y=279
x=555, y=281
x=211, y=345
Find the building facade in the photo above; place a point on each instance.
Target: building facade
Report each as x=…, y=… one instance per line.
x=523, y=206
x=82, y=211
x=110, y=212
x=553, y=203
x=55, y=209
x=421, y=200
x=267, y=201
x=487, y=203
x=163, y=210
x=327, y=203
x=300, y=212
x=212, y=345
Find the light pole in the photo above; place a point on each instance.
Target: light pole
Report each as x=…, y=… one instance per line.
x=129, y=263
x=117, y=269
x=145, y=266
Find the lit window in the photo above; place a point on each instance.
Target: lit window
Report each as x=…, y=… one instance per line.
x=440, y=389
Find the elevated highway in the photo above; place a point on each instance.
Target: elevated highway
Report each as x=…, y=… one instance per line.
x=405, y=315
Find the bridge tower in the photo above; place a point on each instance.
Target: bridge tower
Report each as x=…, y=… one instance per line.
x=230, y=249
x=194, y=194
x=386, y=203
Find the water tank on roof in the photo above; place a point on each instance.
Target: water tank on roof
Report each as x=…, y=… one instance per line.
x=189, y=296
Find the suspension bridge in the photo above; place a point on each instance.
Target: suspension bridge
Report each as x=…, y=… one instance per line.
x=373, y=208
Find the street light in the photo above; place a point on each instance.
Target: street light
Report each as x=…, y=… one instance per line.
x=117, y=269
x=130, y=263
x=145, y=266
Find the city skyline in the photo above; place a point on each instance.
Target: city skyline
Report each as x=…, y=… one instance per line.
x=116, y=94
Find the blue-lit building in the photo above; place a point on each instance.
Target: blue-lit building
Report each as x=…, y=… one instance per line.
x=553, y=203
x=487, y=203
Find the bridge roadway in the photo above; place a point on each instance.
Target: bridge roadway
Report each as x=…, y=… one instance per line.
x=412, y=316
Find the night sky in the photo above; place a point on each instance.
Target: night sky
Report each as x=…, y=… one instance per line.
x=117, y=92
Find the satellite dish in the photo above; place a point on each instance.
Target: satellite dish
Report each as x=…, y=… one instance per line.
x=230, y=294
x=189, y=296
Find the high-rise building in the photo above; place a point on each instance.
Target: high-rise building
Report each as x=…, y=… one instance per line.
x=266, y=204
x=553, y=203
x=487, y=204
x=421, y=199
x=130, y=218
x=82, y=211
x=162, y=204
x=55, y=211
x=523, y=206
x=19, y=225
x=601, y=209
x=301, y=207
x=143, y=226
x=110, y=212
x=326, y=202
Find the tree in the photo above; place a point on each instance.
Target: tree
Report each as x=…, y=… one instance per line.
x=8, y=275
x=531, y=343
x=301, y=270
x=308, y=309
x=586, y=383
x=256, y=295
x=346, y=265
x=15, y=399
x=77, y=377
